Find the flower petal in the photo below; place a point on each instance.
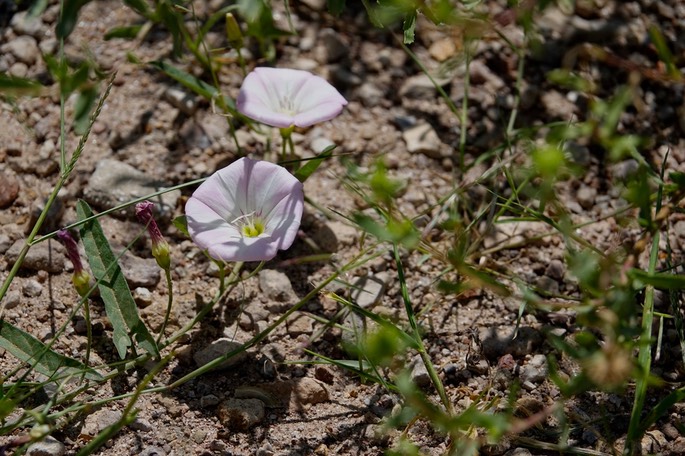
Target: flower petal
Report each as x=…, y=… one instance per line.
x=205, y=225
x=279, y=96
x=319, y=113
x=284, y=220
x=262, y=248
x=265, y=114
x=317, y=91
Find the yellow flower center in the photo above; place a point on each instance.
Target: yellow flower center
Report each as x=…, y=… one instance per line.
x=250, y=225
x=253, y=229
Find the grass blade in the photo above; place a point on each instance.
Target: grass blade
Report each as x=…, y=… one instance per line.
x=308, y=168
x=32, y=351
x=119, y=304
x=193, y=83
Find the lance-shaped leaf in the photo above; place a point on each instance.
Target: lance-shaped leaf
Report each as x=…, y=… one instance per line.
x=119, y=304
x=30, y=350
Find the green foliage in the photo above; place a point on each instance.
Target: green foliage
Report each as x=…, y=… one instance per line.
x=39, y=356
x=69, y=17
x=119, y=304
x=16, y=86
x=306, y=170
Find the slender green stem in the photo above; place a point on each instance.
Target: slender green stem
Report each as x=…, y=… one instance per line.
x=425, y=358
x=464, y=117
x=644, y=357
x=170, y=301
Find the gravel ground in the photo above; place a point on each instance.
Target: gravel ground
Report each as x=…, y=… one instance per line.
x=153, y=133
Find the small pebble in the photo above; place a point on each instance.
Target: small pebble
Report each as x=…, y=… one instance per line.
x=32, y=289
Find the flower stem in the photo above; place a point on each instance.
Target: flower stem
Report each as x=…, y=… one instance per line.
x=167, y=273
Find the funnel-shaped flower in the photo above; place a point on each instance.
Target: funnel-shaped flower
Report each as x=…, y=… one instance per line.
x=283, y=97
x=246, y=211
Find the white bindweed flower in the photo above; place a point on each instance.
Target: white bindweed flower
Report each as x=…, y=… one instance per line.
x=283, y=97
x=246, y=211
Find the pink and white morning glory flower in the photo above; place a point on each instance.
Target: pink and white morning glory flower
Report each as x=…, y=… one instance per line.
x=246, y=211
x=283, y=98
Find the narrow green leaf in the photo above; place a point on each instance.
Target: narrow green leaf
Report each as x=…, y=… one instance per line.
x=308, y=168
x=30, y=350
x=12, y=85
x=126, y=32
x=119, y=304
x=69, y=18
x=139, y=6
x=195, y=84
x=658, y=280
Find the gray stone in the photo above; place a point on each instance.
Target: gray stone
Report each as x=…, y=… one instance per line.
x=98, y=421
x=275, y=285
x=142, y=296
x=423, y=139
x=12, y=299
x=331, y=46
x=114, y=183
x=141, y=425
x=419, y=373
x=241, y=414
x=535, y=370
x=32, y=289
x=181, y=100
x=421, y=86
x=332, y=235
x=367, y=290
x=557, y=105
x=24, y=48
x=25, y=24
x=370, y=94
x=624, y=170
x=219, y=348
x=299, y=324
x=49, y=446
x=152, y=451
x=320, y=144
x=139, y=272
x=210, y=400
x=9, y=188
x=499, y=340
x=5, y=243
x=586, y=196
x=44, y=256
x=555, y=269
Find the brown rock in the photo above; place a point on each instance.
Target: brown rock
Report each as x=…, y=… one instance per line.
x=241, y=414
x=9, y=189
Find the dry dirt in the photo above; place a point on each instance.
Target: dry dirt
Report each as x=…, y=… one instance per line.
x=318, y=409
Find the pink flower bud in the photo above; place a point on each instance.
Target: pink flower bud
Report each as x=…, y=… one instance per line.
x=80, y=279
x=160, y=247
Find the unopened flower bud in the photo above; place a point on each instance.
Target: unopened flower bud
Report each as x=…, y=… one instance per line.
x=81, y=278
x=235, y=36
x=160, y=247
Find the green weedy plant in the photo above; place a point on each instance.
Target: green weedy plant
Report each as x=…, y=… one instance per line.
x=614, y=306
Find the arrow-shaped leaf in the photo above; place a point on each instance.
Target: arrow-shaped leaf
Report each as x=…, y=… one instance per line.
x=119, y=304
